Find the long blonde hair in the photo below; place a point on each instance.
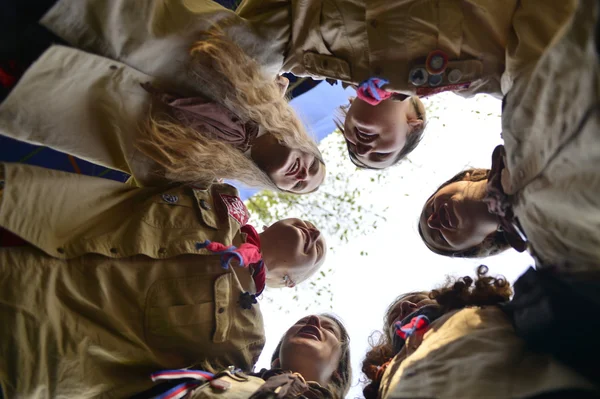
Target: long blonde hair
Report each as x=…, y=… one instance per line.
x=224, y=73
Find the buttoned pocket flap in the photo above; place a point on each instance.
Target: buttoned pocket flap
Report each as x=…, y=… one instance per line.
x=206, y=205
x=327, y=66
x=223, y=291
x=170, y=209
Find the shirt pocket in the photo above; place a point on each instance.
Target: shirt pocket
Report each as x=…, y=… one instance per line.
x=175, y=209
x=186, y=311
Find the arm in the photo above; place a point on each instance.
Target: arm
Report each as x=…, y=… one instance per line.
x=84, y=105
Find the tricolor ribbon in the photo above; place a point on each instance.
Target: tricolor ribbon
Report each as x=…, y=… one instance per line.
x=371, y=92
x=192, y=380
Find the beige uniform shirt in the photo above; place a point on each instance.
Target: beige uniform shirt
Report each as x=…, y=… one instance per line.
x=353, y=40
x=473, y=353
x=551, y=130
x=349, y=40
x=113, y=287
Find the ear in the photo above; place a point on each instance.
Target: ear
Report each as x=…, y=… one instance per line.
x=415, y=123
x=283, y=83
x=276, y=364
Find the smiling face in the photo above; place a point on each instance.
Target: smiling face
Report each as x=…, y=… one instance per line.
x=293, y=248
x=290, y=169
x=455, y=218
x=313, y=348
x=376, y=135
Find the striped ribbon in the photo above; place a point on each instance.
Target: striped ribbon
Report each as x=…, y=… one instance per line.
x=198, y=377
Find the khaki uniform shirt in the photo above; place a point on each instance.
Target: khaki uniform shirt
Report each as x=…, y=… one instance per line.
x=349, y=40
x=353, y=40
x=83, y=105
x=473, y=353
x=112, y=286
x=551, y=131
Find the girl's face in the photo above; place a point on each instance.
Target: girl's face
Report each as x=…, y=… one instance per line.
x=455, y=218
x=293, y=248
x=298, y=171
x=290, y=169
x=375, y=135
x=313, y=348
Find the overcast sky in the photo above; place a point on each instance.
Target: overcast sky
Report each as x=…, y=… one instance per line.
x=460, y=133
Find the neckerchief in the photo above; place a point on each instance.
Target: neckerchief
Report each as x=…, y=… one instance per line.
x=208, y=117
x=499, y=203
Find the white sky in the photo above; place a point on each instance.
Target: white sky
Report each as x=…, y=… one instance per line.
x=460, y=133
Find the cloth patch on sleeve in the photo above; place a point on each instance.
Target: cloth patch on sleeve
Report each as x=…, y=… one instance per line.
x=236, y=208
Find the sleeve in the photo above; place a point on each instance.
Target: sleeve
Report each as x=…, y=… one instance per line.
x=83, y=105
x=48, y=207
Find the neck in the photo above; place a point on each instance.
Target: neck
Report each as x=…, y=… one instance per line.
x=267, y=257
x=479, y=192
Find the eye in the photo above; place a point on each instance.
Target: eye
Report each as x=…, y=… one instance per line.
x=297, y=186
x=314, y=166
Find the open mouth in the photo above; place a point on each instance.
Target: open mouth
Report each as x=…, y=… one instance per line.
x=294, y=168
x=364, y=137
x=310, y=332
x=305, y=236
x=447, y=218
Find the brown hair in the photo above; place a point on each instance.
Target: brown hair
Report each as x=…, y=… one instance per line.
x=224, y=73
x=491, y=245
x=412, y=139
x=342, y=378
x=456, y=293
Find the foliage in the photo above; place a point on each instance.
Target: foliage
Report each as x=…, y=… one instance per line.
x=337, y=209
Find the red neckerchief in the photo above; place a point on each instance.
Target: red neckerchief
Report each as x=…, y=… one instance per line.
x=259, y=271
x=499, y=203
x=8, y=239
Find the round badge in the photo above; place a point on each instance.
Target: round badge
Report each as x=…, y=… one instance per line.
x=454, y=76
x=170, y=198
x=418, y=76
x=435, y=80
x=436, y=63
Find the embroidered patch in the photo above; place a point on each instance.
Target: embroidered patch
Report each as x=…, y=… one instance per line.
x=428, y=91
x=236, y=208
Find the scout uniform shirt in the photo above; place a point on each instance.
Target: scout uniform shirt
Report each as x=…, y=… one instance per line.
x=113, y=285
x=473, y=353
x=354, y=40
x=551, y=132
x=347, y=40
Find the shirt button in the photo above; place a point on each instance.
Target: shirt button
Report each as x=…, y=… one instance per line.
x=114, y=250
x=113, y=67
x=60, y=250
x=205, y=205
x=162, y=251
x=221, y=310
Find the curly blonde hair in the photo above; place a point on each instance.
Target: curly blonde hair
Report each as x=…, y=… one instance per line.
x=224, y=73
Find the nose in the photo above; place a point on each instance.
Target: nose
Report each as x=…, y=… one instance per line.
x=363, y=149
x=314, y=234
x=302, y=174
x=314, y=321
x=434, y=222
